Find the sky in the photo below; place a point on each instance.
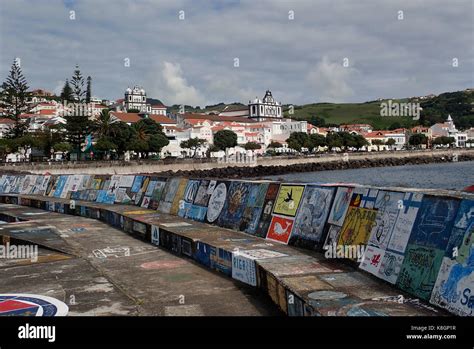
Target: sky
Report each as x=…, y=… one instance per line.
x=206, y=52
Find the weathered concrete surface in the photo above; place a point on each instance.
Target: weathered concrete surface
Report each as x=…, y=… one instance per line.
x=120, y=167
x=146, y=281
x=326, y=287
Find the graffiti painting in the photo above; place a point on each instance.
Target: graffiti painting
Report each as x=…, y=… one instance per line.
x=404, y=223
x=372, y=259
x=254, y=208
x=288, y=199
x=312, y=214
x=168, y=195
x=188, y=198
x=341, y=203
x=234, y=206
x=420, y=270
x=388, y=204
x=216, y=202
x=357, y=226
x=280, y=229
x=266, y=215
x=156, y=194
x=178, y=198
x=390, y=267
x=434, y=222
x=454, y=289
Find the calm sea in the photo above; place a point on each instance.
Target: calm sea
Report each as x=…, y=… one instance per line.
x=455, y=175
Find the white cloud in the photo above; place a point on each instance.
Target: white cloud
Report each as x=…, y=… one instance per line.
x=330, y=81
x=174, y=87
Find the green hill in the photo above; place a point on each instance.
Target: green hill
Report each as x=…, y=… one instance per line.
x=459, y=104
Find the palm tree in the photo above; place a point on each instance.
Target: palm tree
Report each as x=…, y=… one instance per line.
x=103, y=124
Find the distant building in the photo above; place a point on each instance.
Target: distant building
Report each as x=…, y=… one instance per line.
x=136, y=99
x=266, y=108
x=448, y=129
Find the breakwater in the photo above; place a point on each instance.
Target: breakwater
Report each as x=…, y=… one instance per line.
x=276, y=164
x=340, y=164
x=420, y=243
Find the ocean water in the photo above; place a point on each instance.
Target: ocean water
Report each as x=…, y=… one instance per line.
x=453, y=176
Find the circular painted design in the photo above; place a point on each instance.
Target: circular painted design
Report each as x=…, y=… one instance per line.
x=18, y=304
x=164, y=264
x=216, y=202
x=327, y=295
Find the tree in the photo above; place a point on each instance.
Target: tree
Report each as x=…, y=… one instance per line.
x=252, y=146
x=147, y=137
x=317, y=140
x=77, y=83
x=378, y=143
x=348, y=140
x=360, y=142
x=391, y=142
x=275, y=145
x=193, y=144
x=443, y=140
x=105, y=145
x=78, y=126
x=88, y=89
x=14, y=99
x=418, y=139
x=298, y=140
x=63, y=148
x=102, y=125
x=317, y=121
x=334, y=140
x=157, y=142
x=66, y=94
x=225, y=139
x=122, y=134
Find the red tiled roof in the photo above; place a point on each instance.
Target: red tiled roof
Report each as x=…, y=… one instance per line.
x=126, y=117
x=161, y=119
x=6, y=121
x=47, y=112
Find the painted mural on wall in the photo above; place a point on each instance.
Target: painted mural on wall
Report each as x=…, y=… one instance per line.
x=434, y=222
x=254, y=207
x=340, y=206
x=216, y=202
x=419, y=270
x=266, y=215
x=234, y=206
x=312, y=214
x=168, y=195
x=280, y=229
x=188, y=197
x=388, y=204
x=454, y=289
x=357, y=226
x=288, y=199
x=404, y=223
x=183, y=182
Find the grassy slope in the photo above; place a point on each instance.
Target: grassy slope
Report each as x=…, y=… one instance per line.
x=349, y=113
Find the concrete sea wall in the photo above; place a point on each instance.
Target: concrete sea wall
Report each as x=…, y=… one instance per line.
x=420, y=242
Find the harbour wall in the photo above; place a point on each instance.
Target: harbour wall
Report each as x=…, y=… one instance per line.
x=420, y=242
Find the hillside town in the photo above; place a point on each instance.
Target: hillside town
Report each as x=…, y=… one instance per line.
x=260, y=128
